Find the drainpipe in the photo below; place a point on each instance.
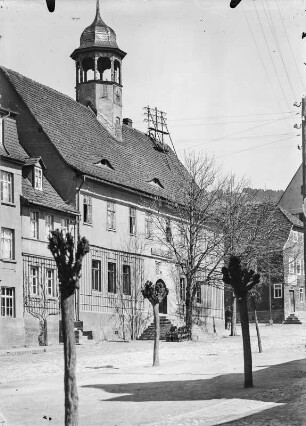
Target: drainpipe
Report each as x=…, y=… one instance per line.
x=76, y=235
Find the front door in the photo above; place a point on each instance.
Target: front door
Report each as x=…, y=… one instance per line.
x=163, y=306
x=291, y=301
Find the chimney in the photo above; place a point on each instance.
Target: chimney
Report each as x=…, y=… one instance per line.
x=128, y=122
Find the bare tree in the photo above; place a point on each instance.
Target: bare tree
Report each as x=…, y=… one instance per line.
x=69, y=265
x=155, y=293
x=42, y=308
x=242, y=280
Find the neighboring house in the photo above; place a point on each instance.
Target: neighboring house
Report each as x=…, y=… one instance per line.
x=112, y=174
x=42, y=211
x=12, y=158
x=292, y=198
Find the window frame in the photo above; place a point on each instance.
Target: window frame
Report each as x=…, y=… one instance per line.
x=111, y=216
x=298, y=267
x=148, y=226
x=38, y=178
x=10, y=185
x=126, y=280
x=87, y=209
x=291, y=266
x=11, y=241
x=51, y=279
x=111, y=273
x=301, y=293
x=48, y=228
x=4, y=306
x=182, y=289
x=36, y=277
x=35, y=223
x=198, y=295
x=133, y=220
x=96, y=284
x=64, y=225
x=277, y=289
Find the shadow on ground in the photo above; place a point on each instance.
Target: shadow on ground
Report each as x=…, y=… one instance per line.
x=281, y=383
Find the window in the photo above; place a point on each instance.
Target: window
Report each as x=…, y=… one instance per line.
x=127, y=279
x=50, y=283
x=299, y=267
x=148, y=226
x=7, y=243
x=111, y=277
x=1, y=129
x=64, y=225
x=96, y=275
x=48, y=225
x=7, y=302
x=168, y=230
x=199, y=293
x=105, y=91
x=295, y=236
x=111, y=216
x=291, y=265
x=34, y=285
x=38, y=178
x=182, y=288
x=278, y=291
x=132, y=221
x=301, y=295
x=7, y=192
x=87, y=209
x=118, y=118
x=34, y=225
x=158, y=268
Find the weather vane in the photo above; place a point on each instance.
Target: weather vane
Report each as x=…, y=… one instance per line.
x=50, y=5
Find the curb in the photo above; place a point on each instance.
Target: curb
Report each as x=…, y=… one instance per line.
x=28, y=351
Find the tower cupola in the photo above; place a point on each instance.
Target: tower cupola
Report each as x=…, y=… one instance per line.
x=98, y=63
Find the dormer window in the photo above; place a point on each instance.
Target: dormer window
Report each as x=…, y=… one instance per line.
x=105, y=163
x=38, y=178
x=156, y=182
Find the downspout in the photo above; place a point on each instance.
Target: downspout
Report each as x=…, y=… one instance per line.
x=76, y=235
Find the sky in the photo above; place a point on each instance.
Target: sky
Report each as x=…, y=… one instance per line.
x=226, y=78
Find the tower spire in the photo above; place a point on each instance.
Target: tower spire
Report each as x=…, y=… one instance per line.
x=97, y=8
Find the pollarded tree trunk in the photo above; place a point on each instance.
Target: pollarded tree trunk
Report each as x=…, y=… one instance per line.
x=258, y=332
x=247, y=352
x=189, y=319
x=71, y=393
x=234, y=316
x=156, y=335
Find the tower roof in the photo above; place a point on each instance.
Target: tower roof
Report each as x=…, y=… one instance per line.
x=98, y=33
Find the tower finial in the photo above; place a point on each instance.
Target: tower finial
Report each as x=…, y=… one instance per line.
x=98, y=8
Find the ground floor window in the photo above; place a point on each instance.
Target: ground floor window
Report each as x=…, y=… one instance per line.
x=96, y=275
x=199, y=293
x=7, y=301
x=111, y=277
x=50, y=283
x=301, y=295
x=182, y=289
x=126, y=271
x=278, y=291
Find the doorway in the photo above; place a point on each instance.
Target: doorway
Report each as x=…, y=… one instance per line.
x=291, y=301
x=163, y=306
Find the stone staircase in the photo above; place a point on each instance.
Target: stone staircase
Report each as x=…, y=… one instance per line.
x=292, y=319
x=81, y=337
x=165, y=325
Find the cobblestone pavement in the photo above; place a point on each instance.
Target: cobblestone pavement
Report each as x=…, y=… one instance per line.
x=198, y=383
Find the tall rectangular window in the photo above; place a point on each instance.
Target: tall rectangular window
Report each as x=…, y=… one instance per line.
x=7, y=244
x=199, y=293
x=301, y=295
x=7, y=302
x=111, y=277
x=291, y=265
x=278, y=291
x=49, y=224
x=50, y=283
x=7, y=188
x=87, y=209
x=182, y=288
x=64, y=225
x=34, y=281
x=38, y=178
x=126, y=279
x=148, y=226
x=111, y=216
x=168, y=231
x=299, y=267
x=96, y=275
x=132, y=220
x=34, y=225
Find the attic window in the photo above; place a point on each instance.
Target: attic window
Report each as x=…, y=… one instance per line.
x=105, y=163
x=156, y=182
x=38, y=178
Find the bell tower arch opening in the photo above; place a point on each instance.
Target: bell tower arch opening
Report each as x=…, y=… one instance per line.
x=88, y=66
x=104, y=68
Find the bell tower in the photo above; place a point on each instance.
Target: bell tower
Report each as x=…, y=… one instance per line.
x=98, y=63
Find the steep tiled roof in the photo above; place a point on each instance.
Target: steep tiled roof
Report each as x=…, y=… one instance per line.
x=82, y=141
x=48, y=197
x=11, y=147
x=293, y=219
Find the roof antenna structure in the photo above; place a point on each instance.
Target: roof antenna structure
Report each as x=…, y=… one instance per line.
x=157, y=128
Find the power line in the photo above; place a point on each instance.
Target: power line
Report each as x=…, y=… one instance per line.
x=239, y=138
x=222, y=122
x=271, y=58
x=255, y=147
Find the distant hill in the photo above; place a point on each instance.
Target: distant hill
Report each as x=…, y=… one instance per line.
x=259, y=195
